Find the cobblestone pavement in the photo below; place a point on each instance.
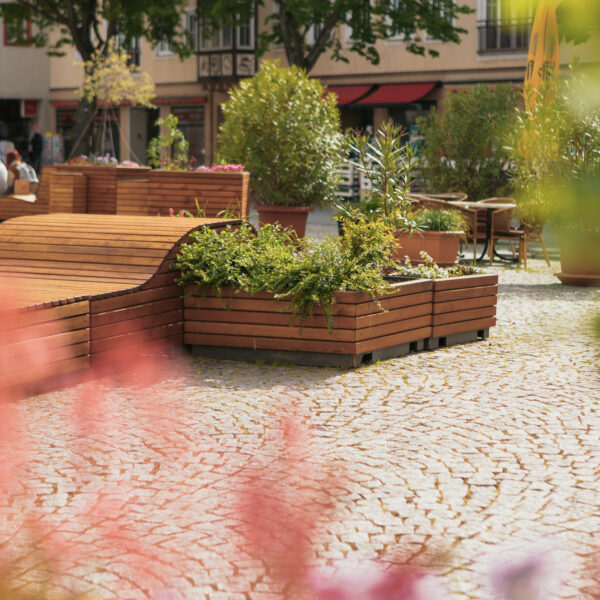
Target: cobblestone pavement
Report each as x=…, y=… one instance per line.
x=441, y=457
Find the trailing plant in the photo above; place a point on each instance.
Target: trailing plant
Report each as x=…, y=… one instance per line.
x=429, y=269
x=389, y=164
x=463, y=145
x=169, y=150
x=305, y=274
x=440, y=220
x=283, y=128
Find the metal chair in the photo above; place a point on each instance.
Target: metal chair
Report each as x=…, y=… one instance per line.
x=501, y=228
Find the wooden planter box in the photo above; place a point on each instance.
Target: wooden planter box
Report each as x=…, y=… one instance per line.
x=102, y=184
x=420, y=314
x=215, y=192
x=159, y=192
x=257, y=327
x=464, y=308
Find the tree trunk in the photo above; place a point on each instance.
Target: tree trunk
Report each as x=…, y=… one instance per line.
x=82, y=129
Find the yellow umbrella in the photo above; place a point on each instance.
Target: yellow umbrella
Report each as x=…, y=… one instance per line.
x=542, y=58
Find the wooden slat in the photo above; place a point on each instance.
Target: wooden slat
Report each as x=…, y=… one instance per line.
x=455, y=305
x=465, y=293
x=405, y=337
x=464, y=315
x=466, y=281
x=463, y=326
x=238, y=341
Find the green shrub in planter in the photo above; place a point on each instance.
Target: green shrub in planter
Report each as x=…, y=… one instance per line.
x=440, y=220
x=464, y=147
x=304, y=274
x=287, y=134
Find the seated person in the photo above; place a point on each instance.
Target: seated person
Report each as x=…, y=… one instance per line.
x=17, y=169
x=3, y=179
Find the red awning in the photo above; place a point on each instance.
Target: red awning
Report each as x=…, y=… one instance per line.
x=348, y=93
x=397, y=93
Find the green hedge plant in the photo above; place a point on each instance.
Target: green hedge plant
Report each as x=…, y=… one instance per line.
x=286, y=132
x=463, y=147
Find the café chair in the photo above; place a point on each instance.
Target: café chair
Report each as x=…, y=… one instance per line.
x=501, y=228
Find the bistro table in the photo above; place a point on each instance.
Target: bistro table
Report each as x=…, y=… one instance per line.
x=489, y=207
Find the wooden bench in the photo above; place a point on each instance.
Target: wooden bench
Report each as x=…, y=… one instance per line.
x=14, y=206
x=104, y=278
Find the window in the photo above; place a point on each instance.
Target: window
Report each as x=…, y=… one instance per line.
x=19, y=35
x=443, y=11
x=363, y=19
x=215, y=39
x=191, y=26
x=399, y=36
x=163, y=49
x=245, y=33
x=313, y=33
x=505, y=25
x=222, y=38
x=133, y=48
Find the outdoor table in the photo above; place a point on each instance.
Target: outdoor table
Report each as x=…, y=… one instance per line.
x=490, y=207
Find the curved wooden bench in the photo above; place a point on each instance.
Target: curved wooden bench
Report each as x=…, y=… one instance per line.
x=106, y=278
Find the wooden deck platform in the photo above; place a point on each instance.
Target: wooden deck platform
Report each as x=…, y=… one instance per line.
x=88, y=284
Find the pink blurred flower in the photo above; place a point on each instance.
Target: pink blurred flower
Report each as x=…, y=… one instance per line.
x=286, y=496
x=371, y=580
x=526, y=572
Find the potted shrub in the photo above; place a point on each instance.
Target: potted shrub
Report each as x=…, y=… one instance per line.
x=389, y=165
x=556, y=151
x=286, y=132
x=438, y=232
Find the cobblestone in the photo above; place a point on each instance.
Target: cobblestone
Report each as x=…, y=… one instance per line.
x=462, y=450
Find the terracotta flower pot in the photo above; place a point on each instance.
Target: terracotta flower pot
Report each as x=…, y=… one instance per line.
x=293, y=217
x=442, y=246
x=579, y=258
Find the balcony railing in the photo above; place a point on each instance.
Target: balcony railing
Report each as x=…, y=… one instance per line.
x=504, y=36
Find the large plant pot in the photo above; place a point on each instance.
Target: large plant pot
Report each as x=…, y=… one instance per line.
x=579, y=258
x=294, y=217
x=442, y=246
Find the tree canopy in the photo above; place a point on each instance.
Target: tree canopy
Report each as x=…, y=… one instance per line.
x=308, y=28
x=89, y=25
x=92, y=27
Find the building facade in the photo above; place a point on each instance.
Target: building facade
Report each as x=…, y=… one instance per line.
x=24, y=90
x=402, y=86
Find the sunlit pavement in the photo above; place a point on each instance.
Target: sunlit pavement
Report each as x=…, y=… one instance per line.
x=440, y=458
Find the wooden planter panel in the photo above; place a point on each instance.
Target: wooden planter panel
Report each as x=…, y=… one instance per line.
x=133, y=197
x=261, y=323
x=102, y=184
x=215, y=192
x=68, y=193
x=464, y=304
